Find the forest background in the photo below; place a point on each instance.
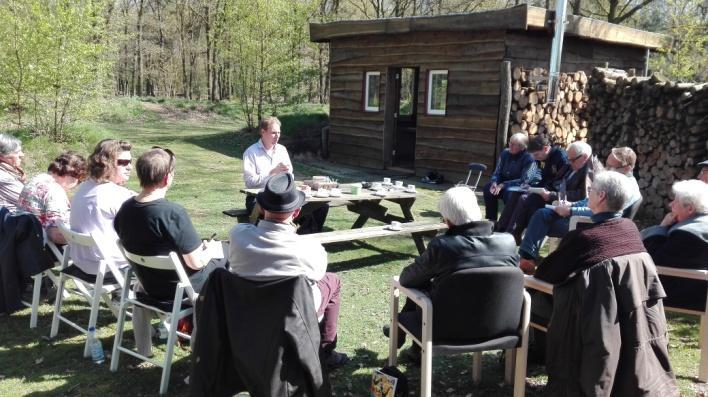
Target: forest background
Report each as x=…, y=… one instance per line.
x=61, y=60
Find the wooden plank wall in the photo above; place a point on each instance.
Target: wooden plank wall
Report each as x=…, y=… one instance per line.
x=533, y=50
x=444, y=143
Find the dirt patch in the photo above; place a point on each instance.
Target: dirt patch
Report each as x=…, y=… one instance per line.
x=170, y=113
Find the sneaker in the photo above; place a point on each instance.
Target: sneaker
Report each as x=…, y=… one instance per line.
x=336, y=360
x=401, y=335
x=412, y=355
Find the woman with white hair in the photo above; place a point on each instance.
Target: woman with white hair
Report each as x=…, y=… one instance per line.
x=681, y=240
x=468, y=237
x=12, y=177
x=515, y=167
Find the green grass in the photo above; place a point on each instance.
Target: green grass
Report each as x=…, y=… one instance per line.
x=207, y=181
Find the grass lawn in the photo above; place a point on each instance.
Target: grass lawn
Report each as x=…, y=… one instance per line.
x=207, y=181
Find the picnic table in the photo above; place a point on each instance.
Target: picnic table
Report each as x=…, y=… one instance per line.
x=367, y=205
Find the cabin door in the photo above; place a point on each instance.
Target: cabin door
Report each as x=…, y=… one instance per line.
x=406, y=92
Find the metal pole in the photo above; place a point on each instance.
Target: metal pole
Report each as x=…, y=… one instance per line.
x=556, y=50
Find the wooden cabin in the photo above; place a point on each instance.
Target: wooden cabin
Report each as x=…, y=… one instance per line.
x=423, y=93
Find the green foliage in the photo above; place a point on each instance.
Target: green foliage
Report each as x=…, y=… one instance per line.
x=687, y=57
x=264, y=42
x=51, y=62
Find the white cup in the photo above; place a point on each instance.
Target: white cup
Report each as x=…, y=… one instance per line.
x=322, y=192
x=387, y=180
x=376, y=185
x=395, y=225
x=399, y=183
x=335, y=192
x=411, y=188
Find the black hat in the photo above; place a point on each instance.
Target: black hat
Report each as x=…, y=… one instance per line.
x=703, y=163
x=280, y=194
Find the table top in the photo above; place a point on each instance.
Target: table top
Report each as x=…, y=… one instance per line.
x=366, y=195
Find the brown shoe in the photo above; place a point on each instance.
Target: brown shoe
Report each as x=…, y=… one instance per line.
x=527, y=266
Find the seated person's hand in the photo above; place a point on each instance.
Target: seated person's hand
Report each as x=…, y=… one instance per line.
x=546, y=195
x=495, y=189
x=562, y=210
x=212, y=249
x=668, y=220
x=528, y=266
x=280, y=168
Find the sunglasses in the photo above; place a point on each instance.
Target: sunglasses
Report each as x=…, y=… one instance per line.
x=576, y=158
x=124, y=162
x=172, y=156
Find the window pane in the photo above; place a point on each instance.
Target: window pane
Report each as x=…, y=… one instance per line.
x=372, y=100
x=407, y=85
x=439, y=91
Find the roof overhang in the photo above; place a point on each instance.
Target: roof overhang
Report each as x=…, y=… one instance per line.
x=522, y=17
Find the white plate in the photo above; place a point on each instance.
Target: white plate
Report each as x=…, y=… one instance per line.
x=409, y=191
x=394, y=229
x=381, y=193
x=335, y=195
x=322, y=195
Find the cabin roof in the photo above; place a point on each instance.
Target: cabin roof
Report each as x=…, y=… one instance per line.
x=522, y=17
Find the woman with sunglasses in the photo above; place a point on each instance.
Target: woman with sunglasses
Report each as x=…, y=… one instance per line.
x=45, y=195
x=97, y=201
x=12, y=178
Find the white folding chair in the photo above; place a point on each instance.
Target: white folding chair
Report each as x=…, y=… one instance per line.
x=184, y=295
x=37, y=284
x=92, y=292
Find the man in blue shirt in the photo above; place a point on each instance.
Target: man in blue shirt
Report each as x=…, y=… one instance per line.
x=515, y=167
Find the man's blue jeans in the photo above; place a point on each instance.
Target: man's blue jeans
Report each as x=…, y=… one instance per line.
x=544, y=222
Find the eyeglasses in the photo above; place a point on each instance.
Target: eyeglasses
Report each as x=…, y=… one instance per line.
x=172, y=156
x=576, y=158
x=124, y=162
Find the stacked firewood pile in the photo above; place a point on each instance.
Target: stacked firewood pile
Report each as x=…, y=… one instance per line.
x=665, y=122
x=562, y=121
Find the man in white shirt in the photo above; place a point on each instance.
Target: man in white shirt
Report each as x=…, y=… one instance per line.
x=272, y=250
x=266, y=158
x=96, y=203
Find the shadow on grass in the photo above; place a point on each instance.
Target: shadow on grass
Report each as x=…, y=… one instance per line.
x=230, y=143
x=383, y=256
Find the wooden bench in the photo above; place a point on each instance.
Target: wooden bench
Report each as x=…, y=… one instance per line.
x=693, y=274
x=415, y=229
x=241, y=215
x=530, y=282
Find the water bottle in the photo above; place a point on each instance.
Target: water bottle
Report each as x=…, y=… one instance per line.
x=95, y=346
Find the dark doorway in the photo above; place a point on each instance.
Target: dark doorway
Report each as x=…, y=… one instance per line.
x=406, y=92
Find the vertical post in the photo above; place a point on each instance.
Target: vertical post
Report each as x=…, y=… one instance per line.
x=504, y=107
x=556, y=51
x=646, y=62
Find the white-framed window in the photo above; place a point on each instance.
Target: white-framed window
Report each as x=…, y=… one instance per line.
x=371, y=91
x=437, y=92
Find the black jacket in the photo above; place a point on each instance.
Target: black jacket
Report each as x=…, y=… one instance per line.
x=22, y=254
x=257, y=336
x=462, y=247
x=609, y=332
x=683, y=245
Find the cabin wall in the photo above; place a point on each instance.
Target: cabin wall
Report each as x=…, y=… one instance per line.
x=531, y=49
x=466, y=133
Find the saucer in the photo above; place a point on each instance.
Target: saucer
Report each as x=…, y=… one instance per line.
x=394, y=229
x=322, y=195
x=409, y=190
x=381, y=193
x=335, y=195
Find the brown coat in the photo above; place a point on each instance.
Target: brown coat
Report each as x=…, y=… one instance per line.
x=609, y=332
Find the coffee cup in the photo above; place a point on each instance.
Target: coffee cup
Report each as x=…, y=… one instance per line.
x=410, y=188
x=399, y=183
x=376, y=186
x=395, y=225
x=387, y=181
x=355, y=189
x=335, y=192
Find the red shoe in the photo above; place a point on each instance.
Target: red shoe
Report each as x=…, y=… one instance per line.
x=527, y=266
